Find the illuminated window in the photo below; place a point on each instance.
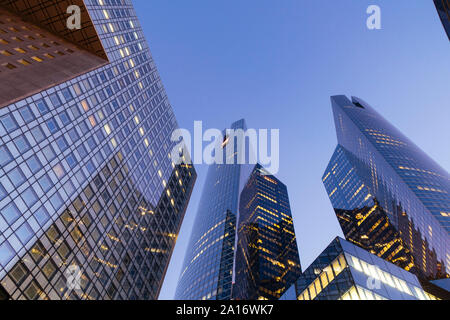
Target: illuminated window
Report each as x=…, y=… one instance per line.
x=24, y=62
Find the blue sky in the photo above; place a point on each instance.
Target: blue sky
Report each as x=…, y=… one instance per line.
x=276, y=63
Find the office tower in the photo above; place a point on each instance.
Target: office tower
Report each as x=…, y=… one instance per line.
x=207, y=271
x=344, y=271
x=443, y=8
x=389, y=196
x=267, y=259
x=90, y=200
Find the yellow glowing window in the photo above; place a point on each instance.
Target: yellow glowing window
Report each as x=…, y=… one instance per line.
x=105, y=13
x=48, y=55
x=116, y=40
x=92, y=121
x=111, y=27
x=136, y=119
x=84, y=104
x=24, y=62
x=114, y=142
x=20, y=50
x=37, y=59
x=17, y=39
x=6, y=53
x=100, y=2
x=33, y=47
x=3, y=41
x=107, y=129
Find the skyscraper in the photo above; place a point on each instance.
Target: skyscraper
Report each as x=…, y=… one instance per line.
x=208, y=264
x=344, y=271
x=267, y=258
x=389, y=196
x=443, y=9
x=90, y=200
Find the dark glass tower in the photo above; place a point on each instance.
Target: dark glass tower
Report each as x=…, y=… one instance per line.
x=443, y=8
x=389, y=196
x=267, y=259
x=90, y=200
x=208, y=265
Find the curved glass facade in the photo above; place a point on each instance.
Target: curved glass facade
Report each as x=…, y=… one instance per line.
x=389, y=196
x=86, y=179
x=208, y=266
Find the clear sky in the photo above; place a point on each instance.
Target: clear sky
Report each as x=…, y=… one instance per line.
x=276, y=63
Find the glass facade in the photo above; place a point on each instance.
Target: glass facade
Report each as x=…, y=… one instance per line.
x=86, y=178
x=344, y=271
x=208, y=266
x=389, y=196
x=443, y=8
x=267, y=258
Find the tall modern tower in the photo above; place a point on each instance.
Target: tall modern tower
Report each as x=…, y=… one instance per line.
x=443, y=8
x=208, y=264
x=267, y=259
x=90, y=200
x=389, y=196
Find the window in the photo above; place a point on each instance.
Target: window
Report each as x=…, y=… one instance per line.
x=42, y=216
x=34, y=164
x=38, y=135
x=8, y=123
x=42, y=106
x=16, y=176
x=29, y=197
x=52, y=125
x=64, y=118
x=10, y=213
x=73, y=134
x=67, y=94
x=71, y=160
x=59, y=170
x=55, y=100
x=56, y=201
x=62, y=143
x=24, y=233
x=26, y=114
x=6, y=253
x=22, y=144
x=5, y=156
x=45, y=183
x=3, y=193
x=49, y=153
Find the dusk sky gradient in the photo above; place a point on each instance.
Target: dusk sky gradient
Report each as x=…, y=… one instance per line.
x=276, y=64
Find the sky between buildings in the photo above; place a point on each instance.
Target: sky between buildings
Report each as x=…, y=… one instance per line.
x=276, y=64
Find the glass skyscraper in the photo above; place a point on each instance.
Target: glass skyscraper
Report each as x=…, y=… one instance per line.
x=443, y=8
x=208, y=265
x=344, y=271
x=267, y=258
x=389, y=196
x=90, y=201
